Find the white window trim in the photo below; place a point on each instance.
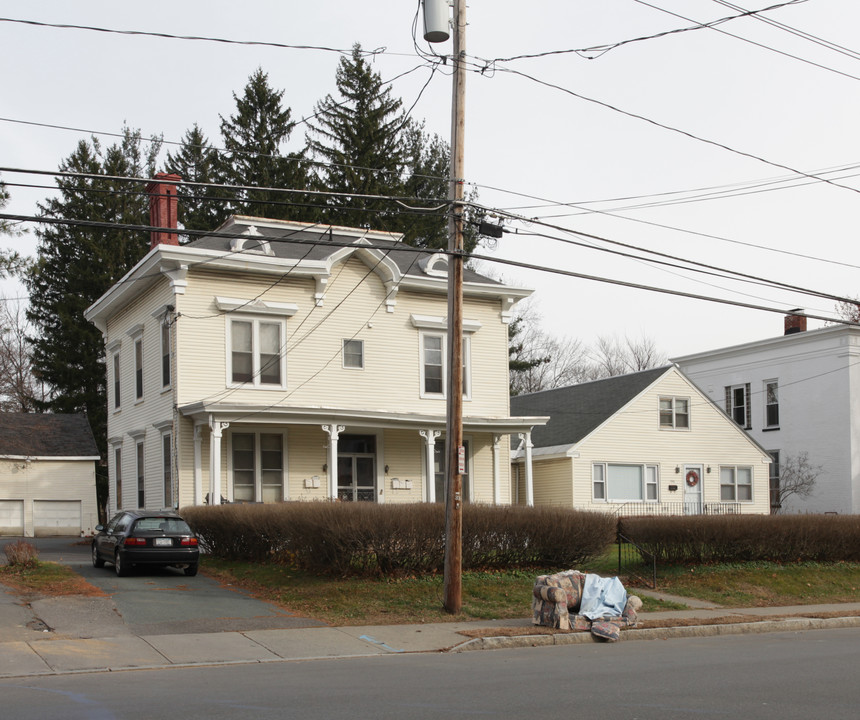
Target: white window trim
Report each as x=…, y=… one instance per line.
x=674, y=425
x=138, y=343
x=116, y=387
x=167, y=435
x=255, y=360
x=734, y=469
x=164, y=326
x=606, y=497
x=765, y=424
x=747, y=423
x=343, y=354
x=467, y=366
x=117, y=475
x=255, y=306
x=139, y=482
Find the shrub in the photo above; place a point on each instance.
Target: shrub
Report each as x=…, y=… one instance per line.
x=367, y=538
x=744, y=538
x=21, y=554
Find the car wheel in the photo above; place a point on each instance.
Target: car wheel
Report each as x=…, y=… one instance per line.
x=191, y=570
x=119, y=565
x=97, y=560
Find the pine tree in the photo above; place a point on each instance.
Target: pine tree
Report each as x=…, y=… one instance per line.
x=76, y=265
x=253, y=139
x=11, y=262
x=359, y=139
x=200, y=207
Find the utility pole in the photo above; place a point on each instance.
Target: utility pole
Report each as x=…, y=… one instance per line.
x=455, y=451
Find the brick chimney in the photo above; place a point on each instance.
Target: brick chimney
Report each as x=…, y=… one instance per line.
x=163, y=208
x=795, y=322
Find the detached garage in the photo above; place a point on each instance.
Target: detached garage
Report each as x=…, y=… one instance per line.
x=47, y=475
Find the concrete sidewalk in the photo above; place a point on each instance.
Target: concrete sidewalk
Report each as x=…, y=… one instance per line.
x=29, y=647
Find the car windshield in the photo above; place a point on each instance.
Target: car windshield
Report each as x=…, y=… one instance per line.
x=166, y=525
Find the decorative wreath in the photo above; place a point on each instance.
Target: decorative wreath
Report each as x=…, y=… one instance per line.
x=692, y=478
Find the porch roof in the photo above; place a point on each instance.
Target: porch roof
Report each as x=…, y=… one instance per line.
x=240, y=413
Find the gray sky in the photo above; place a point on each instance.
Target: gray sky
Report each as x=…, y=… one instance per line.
x=530, y=148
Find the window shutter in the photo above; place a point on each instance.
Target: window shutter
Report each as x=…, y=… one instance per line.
x=748, y=399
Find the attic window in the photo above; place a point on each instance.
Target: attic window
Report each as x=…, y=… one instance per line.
x=252, y=242
x=436, y=265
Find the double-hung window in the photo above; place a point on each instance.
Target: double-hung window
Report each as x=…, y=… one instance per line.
x=771, y=404
x=735, y=484
x=353, y=354
x=674, y=413
x=165, y=354
x=138, y=369
x=258, y=467
x=738, y=404
x=167, y=468
x=258, y=351
x=434, y=365
x=141, y=487
x=617, y=482
x=117, y=471
x=116, y=377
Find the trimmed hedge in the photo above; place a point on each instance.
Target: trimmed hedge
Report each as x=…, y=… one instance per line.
x=372, y=539
x=745, y=538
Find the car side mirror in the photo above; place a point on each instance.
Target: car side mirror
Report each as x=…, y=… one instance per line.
x=99, y=528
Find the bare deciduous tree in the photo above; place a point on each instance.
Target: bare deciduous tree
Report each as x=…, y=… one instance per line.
x=618, y=356
x=19, y=388
x=797, y=478
x=849, y=311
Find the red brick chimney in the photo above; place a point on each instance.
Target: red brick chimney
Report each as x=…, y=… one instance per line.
x=795, y=322
x=163, y=208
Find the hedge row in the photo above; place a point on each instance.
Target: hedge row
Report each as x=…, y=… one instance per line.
x=745, y=538
x=367, y=538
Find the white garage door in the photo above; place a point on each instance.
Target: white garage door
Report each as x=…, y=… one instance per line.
x=56, y=517
x=11, y=517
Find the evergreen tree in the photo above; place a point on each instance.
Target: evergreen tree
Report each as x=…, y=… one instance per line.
x=200, y=208
x=359, y=139
x=253, y=139
x=76, y=265
x=11, y=262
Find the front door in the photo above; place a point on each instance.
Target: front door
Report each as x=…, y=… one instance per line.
x=356, y=468
x=692, y=489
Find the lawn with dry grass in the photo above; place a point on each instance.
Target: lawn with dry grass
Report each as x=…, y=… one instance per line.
x=46, y=579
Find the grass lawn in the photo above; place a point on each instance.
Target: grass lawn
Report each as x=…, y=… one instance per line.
x=46, y=579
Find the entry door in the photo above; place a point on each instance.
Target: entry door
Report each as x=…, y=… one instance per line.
x=355, y=477
x=692, y=489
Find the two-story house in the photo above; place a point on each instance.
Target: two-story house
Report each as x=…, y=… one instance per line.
x=795, y=393
x=275, y=360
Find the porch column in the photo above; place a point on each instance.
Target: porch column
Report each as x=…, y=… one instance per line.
x=430, y=472
x=198, y=464
x=217, y=427
x=527, y=445
x=497, y=490
x=334, y=432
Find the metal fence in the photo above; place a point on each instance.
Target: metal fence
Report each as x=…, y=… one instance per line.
x=636, y=562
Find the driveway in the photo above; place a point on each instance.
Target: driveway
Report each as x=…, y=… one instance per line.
x=151, y=601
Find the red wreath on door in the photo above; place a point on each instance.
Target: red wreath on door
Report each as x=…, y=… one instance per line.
x=692, y=478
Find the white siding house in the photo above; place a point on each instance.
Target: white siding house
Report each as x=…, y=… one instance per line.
x=645, y=443
x=274, y=360
x=47, y=475
x=799, y=392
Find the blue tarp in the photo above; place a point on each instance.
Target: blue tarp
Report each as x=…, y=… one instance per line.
x=602, y=597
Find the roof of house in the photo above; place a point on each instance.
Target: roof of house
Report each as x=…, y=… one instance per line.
x=46, y=435
x=577, y=410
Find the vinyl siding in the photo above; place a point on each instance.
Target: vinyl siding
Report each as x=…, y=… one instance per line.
x=556, y=482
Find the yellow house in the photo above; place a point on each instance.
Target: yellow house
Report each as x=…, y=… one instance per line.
x=274, y=360
x=645, y=443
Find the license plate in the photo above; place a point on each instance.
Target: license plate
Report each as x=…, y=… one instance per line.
x=162, y=542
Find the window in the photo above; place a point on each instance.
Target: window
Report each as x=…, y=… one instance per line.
x=138, y=369
x=116, y=396
x=257, y=352
x=773, y=478
x=441, y=475
x=167, y=468
x=433, y=365
x=353, y=354
x=141, y=495
x=736, y=484
x=117, y=473
x=675, y=413
x=258, y=467
x=738, y=404
x=623, y=483
x=165, y=354
x=771, y=404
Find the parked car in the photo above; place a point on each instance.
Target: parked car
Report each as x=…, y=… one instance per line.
x=146, y=537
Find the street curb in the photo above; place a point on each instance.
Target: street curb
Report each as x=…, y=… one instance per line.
x=765, y=626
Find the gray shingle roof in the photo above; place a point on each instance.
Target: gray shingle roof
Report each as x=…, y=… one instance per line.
x=576, y=410
x=46, y=435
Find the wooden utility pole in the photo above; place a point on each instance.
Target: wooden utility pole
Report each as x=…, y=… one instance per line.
x=455, y=453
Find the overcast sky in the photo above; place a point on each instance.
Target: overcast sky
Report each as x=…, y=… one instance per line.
x=573, y=155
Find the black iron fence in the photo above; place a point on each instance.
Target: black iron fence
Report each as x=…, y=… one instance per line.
x=677, y=508
x=636, y=562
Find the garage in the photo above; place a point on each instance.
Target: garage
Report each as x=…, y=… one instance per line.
x=56, y=517
x=11, y=517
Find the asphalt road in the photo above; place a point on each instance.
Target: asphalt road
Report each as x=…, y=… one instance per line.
x=153, y=601
x=780, y=676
